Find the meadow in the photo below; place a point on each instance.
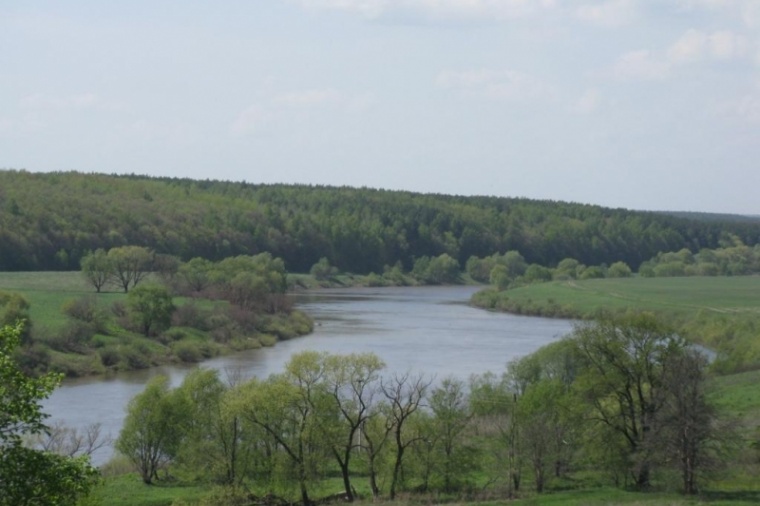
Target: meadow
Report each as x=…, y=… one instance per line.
x=721, y=313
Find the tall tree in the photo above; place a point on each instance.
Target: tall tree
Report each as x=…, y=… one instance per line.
x=153, y=429
x=130, y=264
x=352, y=382
x=97, y=268
x=626, y=360
x=405, y=394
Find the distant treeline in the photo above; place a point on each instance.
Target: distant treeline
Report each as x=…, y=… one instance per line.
x=50, y=221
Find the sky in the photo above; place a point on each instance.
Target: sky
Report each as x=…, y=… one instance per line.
x=641, y=104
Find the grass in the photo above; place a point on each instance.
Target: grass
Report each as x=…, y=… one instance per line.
x=721, y=295
x=48, y=291
x=129, y=490
x=721, y=313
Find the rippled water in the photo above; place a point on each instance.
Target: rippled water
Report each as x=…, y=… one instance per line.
x=430, y=330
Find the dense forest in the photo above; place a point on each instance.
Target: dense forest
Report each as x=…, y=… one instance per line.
x=49, y=221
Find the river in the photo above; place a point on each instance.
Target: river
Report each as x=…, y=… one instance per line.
x=428, y=330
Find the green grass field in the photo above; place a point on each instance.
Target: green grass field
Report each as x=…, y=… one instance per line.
x=48, y=291
x=721, y=313
x=721, y=295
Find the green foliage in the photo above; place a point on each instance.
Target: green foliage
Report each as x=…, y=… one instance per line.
x=322, y=270
x=151, y=308
x=15, y=310
x=43, y=225
x=442, y=269
x=97, y=268
x=27, y=476
x=152, y=430
x=129, y=265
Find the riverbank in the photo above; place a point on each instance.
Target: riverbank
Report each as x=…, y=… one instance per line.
x=721, y=313
x=75, y=331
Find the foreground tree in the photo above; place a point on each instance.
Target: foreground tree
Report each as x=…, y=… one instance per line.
x=153, y=429
x=691, y=437
x=405, y=395
x=352, y=383
x=291, y=408
x=29, y=476
x=627, y=360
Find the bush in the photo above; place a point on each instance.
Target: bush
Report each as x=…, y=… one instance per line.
x=110, y=356
x=86, y=309
x=136, y=357
x=190, y=315
x=188, y=352
x=74, y=337
x=34, y=359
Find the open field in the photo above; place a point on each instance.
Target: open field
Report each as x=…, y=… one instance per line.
x=48, y=291
x=721, y=313
x=687, y=295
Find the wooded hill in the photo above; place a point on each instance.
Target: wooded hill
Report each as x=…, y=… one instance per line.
x=48, y=221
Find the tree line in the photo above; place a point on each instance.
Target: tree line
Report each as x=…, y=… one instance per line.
x=51, y=221
x=511, y=269
x=623, y=399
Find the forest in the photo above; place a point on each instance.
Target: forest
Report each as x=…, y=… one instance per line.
x=50, y=221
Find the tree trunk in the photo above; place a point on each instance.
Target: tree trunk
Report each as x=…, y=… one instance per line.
x=346, y=480
x=396, y=471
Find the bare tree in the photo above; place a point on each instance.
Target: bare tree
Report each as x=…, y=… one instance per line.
x=71, y=442
x=405, y=394
x=352, y=384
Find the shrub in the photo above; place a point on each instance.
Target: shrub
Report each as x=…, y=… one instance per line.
x=110, y=356
x=86, y=309
x=136, y=357
x=190, y=315
x=187, y=352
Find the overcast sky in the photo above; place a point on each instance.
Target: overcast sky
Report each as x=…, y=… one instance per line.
x=643, y=104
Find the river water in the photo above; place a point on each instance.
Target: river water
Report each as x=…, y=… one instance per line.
x=428, y=330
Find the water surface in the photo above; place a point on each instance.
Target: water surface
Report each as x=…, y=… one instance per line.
x=428, y=330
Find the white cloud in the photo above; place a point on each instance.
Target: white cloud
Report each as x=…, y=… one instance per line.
x=688, y=48
x=40, y=101
x=640, y=65
x=286, y=105
x=6, y=125
x=746, y=107
x=251, y=120
x=695, y=45
x=308, y=98
x=609, y=14
x=437, y=9
x=746, y=11
x=726, y=45
x=497, y=84
x=587, y=103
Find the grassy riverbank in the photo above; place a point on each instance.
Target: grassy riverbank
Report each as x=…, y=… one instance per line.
x=722, y=313
x=200, y=328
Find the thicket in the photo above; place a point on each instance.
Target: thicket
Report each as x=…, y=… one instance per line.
x=51, y=221
x=622, y=400
x=172, y=311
